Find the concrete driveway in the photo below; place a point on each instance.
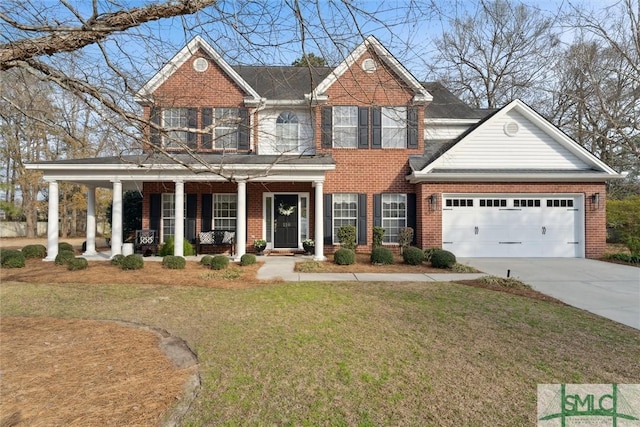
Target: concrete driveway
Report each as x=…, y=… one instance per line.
x=609, y=290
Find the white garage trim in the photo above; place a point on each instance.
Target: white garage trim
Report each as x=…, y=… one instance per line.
x=514, y=225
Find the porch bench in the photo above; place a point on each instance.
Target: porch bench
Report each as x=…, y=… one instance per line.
x=208, y=241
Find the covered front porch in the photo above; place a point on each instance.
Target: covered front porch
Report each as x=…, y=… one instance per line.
x=276, y=198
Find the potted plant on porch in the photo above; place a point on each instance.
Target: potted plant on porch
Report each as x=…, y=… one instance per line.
x=259, y=245
x=309, y=246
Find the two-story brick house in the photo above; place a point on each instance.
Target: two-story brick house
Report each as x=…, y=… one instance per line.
x=290, y=153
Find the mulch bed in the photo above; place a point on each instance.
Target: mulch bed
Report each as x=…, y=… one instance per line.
x=84, y=372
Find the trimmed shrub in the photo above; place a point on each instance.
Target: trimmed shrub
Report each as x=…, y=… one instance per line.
x=132, y=262
x=405, y=237
x=12, y=259
x=64, y=246
x=167, y=248
x=206, y=260
x=413, y=256
x=174, y=262
x=382, y=256
x=633, y=243
x=8, y=253
x=247, y=259
x=117, y=259
x=442, y=259
x=64, y=257
x=428, y=252
x=219, y=262
x=347, y=237
x=78, y=263
x=344, y=256
x=34, y=251
x=378, y=235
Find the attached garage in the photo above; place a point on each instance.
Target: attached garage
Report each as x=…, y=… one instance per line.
x=513, y=225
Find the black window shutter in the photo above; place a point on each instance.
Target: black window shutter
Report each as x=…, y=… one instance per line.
x=376, y=127
x=363, y=127
x=327, y=127
x=412, y=127
x=207, y=205
x=154, y=117
x=377, y=210
x=192, y=123
x=411, y=214
x=328, y=220
x=207, y=120
x=243, y=130
x=190, y=226
x=362, y=219
x=155, y=212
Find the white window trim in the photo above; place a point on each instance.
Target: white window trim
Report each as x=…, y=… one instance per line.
x=395, y=128
x=174, y=142
x=382, y=217
x=334, y=126
x=296, y=144
x=213, y=210
x=232, y=130
x=334, y=236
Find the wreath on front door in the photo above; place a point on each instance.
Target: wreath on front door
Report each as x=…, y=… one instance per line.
x=286, y=210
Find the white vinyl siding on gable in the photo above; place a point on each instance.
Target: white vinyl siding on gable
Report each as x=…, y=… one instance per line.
x=268, y=132
x=489, y=147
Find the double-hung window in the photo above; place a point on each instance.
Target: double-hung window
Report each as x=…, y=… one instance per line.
x=394, y=127
x=175, y=118
x=394, y=216
x=227, y=121
x=345, y=212
x=345, y=127
x=225, y=210
x=287, y=131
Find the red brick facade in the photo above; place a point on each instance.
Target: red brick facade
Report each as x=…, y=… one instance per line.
x=370, y=171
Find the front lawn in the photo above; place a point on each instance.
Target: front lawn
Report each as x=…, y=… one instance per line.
x=358, y=353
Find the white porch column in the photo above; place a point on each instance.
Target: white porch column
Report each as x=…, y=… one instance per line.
x=52, y=222
x=178, y=248
x=241, y=220
x=91, y=222
x=116, y=219
x=319, y=221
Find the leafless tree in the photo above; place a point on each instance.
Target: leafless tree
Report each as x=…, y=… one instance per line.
x=497, y=53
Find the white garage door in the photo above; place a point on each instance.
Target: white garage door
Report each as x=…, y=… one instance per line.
x=521, y=225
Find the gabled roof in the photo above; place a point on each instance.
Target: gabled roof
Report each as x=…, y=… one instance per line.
x=565, y=159
x=143, y=95
x=421, y=94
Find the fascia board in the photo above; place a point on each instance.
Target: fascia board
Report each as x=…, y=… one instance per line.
x=416, y=178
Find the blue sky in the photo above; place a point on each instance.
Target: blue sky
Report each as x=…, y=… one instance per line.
x=248, y=34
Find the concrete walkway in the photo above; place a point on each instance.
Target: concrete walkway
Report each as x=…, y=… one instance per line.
x=606, y=289
x=282, y=268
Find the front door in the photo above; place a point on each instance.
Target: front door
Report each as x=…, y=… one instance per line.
x=285, y=232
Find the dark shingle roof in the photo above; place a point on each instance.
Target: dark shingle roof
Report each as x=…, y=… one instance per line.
x=446, y=105
x=283, y=82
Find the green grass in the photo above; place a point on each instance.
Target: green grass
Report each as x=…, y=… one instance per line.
x=360, y=353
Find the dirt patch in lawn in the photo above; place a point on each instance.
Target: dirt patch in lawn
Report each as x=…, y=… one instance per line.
x=84, y=372
x=529, y=293
x=153, y=273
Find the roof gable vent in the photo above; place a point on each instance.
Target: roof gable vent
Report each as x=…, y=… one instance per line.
x=511, y=128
